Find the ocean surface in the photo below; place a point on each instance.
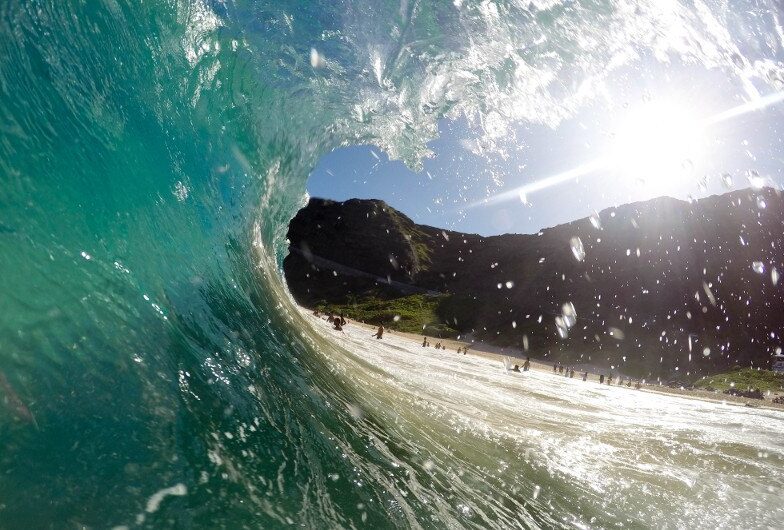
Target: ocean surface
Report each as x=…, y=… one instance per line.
x=549, y=451
x=153, y=370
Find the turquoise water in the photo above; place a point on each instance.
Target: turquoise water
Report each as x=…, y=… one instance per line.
x=151, y=155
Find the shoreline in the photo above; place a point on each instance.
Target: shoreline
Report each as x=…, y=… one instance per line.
x=497, y=354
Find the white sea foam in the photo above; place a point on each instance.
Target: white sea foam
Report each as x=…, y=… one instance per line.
x=654, y=457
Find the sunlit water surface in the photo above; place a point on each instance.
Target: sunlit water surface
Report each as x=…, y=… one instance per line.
x=584, y=453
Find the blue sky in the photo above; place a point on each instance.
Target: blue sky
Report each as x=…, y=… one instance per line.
x=442, y=194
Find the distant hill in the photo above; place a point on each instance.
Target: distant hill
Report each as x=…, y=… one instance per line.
x=663, y=288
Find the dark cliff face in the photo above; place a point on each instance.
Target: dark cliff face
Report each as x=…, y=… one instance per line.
x=367, y=235
x=665, y=287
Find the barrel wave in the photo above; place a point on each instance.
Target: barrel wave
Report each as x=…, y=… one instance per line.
x=153, y=370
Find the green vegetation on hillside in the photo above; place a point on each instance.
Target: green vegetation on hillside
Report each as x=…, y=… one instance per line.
x=743, y=379
x=412, y=313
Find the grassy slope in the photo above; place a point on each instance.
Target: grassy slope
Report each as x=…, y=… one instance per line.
x=743, y=379
x=413, y=311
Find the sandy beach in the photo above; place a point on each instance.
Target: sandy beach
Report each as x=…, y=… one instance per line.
x=498, y=354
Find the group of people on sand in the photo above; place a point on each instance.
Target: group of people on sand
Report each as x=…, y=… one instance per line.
x=439, y=346
x=568, y=371
x=621, y=380
x=338, y=321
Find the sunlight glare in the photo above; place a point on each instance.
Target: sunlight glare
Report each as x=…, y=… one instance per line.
x=656, y=143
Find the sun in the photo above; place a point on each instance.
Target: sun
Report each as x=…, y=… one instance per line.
x=658, y=143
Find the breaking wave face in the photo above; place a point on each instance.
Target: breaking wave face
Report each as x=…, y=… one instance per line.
x=152, y=368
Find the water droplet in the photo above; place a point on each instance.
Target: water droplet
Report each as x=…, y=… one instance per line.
x=706, y=351
x=758, y=267
x=577, y=248
x=596, y=221
x=563, y=331
x=523, y=197
x=709, y=293
x=396, y=318
x=180, y=191
x=726, y=180
x=316, y=59
x=537, y=490
x=774, y=276
x=754, y=179
x=566, y=319
x=509, y=285
x=355, y=411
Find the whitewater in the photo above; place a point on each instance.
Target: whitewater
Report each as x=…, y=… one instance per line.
x=626, y=457
x=153, y=369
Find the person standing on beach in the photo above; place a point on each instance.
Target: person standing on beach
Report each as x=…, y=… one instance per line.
x=424, y=342
x=601, y=379
x=585, y=376
x=555, y=367
x=527, y=364
x=380, y=332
